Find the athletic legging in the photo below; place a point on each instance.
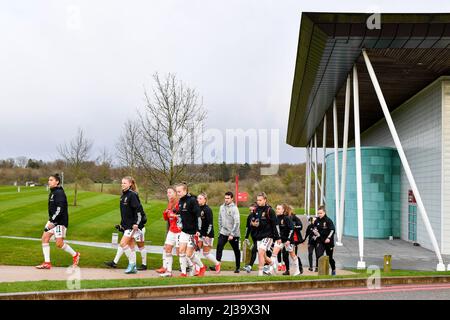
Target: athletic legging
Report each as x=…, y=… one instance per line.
x=322, y=248
x=234, y=244
x=254, y=253
x=311, y=249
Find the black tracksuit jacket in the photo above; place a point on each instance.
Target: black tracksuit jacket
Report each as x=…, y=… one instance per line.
x=189, y=212
x=286, y=227
x=206, y=221
x=326, y=228
x=267, y=224
x=310, y=235
x=57, y=207
x=131, y=210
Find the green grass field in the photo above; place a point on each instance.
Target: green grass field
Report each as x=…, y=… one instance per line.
x=93, y=219
x=24, y=214
x=29, y=253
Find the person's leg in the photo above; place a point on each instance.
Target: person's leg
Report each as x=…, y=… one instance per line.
x=220, y=245
x=143, y=251
x=329, y=250
x=208, y=255
x=168, y=262
x=237, y=253
x=320, y=250
x=183, y=258
x=261, y=261
x=254, y=253
x=60, y=234
x=286, y=258
x=127, y=247
x=132, y=245
x=274, y=258
x=299, y=260
x=311, y=249
x=194, y=257
x=46, y=251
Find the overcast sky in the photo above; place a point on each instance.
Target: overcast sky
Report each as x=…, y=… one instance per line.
x=70, y=64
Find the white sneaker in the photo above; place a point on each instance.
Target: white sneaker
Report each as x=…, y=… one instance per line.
x=267, y=270
x=274, y=269
x=248, y=269
x=166, y=274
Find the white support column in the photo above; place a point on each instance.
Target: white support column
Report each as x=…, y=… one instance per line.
x=359, y=194
x=316, y=178
x=324, y=147
x=336, y=173
x=344, y=159
x=318, y=182
x=404, y=160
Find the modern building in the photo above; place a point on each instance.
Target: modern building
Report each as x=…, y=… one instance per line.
x=371, y=96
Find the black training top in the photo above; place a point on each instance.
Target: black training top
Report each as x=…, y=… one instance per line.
x=286, y=228
x=206, y=221
x=298, y=227
x=310, y=235
x=57, y=207
x=325, y=226
x=189, y=212
x=267, y=223
x=249, y=229
x=131, y=210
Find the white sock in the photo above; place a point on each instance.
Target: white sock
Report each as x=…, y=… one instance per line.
x=212, y=258
x=196, y=259
x=275, y=263
x=143, y=255
x=46, y=251
x=164, y=256
x=260, y=272
x=183, y=262
x=127, y=251
x=133, y=256
x=118, y=254
x=168, y=262
x=189, y=262
x=294, y=263
x=68, y=249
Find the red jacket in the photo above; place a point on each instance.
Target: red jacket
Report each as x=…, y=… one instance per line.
x=172, y=220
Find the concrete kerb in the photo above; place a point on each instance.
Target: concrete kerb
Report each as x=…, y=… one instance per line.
x=216, y=288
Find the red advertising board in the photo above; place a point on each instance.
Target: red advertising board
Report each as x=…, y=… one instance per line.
x=242, y=196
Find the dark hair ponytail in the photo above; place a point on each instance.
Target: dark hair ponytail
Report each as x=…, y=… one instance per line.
x=56, y=177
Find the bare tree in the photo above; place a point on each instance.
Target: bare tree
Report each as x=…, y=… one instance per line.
x=126, y=146
x=172, y=117
x=21, y=161
x=76, y=153
x=104, y=163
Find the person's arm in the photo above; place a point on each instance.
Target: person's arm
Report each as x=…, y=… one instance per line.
x=209, y=222
x=59, y=201
x=332, y=229
x=220, y=217
x=273, y=222
x=166, y=214
x=236, y=223
x=196, y=211
x=135, y=205
x=247, y=226
x=290, y=226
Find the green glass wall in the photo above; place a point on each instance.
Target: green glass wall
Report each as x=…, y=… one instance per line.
x=381, y=192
